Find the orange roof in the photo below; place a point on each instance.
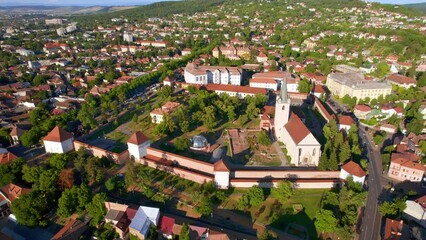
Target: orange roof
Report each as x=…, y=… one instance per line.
x=393, y=229
x=220, y=166
x=13, y=191
x=233, y=88
x=296, y=128
x=401, y=79
x=318, y=89
x=345, y=120
x=65, y=229
x=354, y=169
x=138, y=138
x=363, y=108
x=6, y=158
x=58, y=135
x=263, y=80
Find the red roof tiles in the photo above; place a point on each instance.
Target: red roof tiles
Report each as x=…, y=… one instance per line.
x=58, y=135
x=354, y=169
x=296, y=128
x=138, y=138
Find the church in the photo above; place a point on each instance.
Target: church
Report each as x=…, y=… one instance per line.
x=302, y=147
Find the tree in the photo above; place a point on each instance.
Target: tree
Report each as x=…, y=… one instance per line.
x=130, y=177
x=48, y=181
x=31, y=174
x=31, y=137
x=253, y=197
x=421, y=81
x=252, y=111
x=263, y=139
x=310, y=68
x=114, y=183
x=415, y=126
x=66, y=204
x=58, y=161
x=184, y=232
x=209, y=117
x=304, y=86
x=30, y=209
x=184, y=126
x=344, y=153
x=283, y=191
x=96, y=208
x=325, y=221
x=392, y=209
x=165, y=92
x=182, y=143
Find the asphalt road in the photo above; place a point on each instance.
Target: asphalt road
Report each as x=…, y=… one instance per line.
x=371, y=221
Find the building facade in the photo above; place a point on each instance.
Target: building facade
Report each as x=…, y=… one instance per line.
x=196, y=74
x=354, y=85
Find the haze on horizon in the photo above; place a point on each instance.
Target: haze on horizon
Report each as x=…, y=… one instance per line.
x=133, y=2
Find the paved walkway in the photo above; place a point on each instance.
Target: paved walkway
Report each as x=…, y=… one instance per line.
x=280, y=153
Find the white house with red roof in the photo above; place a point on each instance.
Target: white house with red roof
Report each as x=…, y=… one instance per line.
x=317, y=91
x=361, y=111
x=58, y=141
x=354, y=170
x=404, y=169
x=344, y=123
x=267, y=83
x=302, y=147
x=137, y=145
x=416, y=210
x=401, y=80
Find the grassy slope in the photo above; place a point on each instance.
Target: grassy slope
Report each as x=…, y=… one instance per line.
x=419, y=6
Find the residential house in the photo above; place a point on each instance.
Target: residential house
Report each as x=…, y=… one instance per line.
x=7, y=157
x=144, y=218
x=395, y=230
x=401, y=81
x=157, y=115
x=416, y=211
x=354, y=170
x=166, y=227
x=8, y=194
x=344, y=123
x=16, y=133
x=361, y=111
x=318, y=91
x=119, y=216
x=404, y=169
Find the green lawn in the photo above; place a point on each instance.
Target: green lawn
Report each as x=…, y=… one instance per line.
x=278, y=215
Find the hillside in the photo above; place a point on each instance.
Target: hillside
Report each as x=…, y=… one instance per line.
x=61, y=10
x=418, y=6
x=159, y=9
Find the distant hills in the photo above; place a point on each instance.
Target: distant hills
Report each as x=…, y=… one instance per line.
x=61, y=10
x=421, y=7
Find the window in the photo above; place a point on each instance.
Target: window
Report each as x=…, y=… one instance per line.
x=300, y=151
x=283, y=108
x=314, y=151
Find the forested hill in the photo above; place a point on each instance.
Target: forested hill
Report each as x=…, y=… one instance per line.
x=421, y=7
x=159, y=9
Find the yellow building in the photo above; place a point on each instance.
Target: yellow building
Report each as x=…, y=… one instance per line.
x=354, y=85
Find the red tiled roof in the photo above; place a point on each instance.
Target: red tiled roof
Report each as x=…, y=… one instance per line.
x=421, y=201
x=393, y=229
x=138, y=138
x=296, y=128
x=363, y=108
x=400, y=79
x=166, y=225
x=7, y=158
x=232, y=88
x=345, y=120
x=13, y=191
x=58, y=135
x=354, y=169
x=263, y=80
x=220, y=166
x=63, y=230
x=318, y=89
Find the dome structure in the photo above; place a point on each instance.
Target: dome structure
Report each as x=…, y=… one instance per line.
x=199, y=141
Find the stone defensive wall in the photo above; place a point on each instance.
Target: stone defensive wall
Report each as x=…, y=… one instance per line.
x=244, y=177
x=118, y=158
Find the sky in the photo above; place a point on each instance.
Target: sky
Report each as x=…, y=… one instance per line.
x=130, y=2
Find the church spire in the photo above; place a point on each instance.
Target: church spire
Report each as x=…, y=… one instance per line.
x=283, y=98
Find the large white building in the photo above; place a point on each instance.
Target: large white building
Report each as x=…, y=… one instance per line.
x=196, y=74
x=128, y=37
x=302, y=147
x=354, y=85
x=273, y=80
x=58, y=141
